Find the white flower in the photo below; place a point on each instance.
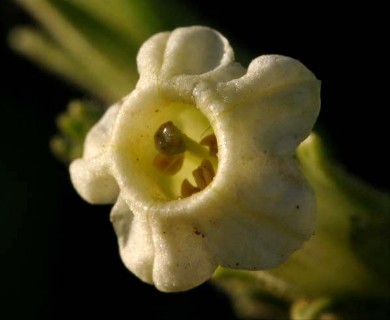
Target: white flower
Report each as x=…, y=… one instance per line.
x=248, y=206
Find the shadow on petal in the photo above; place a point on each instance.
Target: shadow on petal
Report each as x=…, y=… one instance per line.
x=183, y=258
x=135, y=240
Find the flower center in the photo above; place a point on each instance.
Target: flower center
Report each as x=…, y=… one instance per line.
x=160, y=143
x=172, y=144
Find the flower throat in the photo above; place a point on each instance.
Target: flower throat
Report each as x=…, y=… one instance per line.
x=171, y=144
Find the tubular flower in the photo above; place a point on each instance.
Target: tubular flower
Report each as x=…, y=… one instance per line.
x=200, y=160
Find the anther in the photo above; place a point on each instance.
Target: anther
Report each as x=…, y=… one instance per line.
x=168, y=164
x=211, y=142
x=203, y=176
x=187, y=189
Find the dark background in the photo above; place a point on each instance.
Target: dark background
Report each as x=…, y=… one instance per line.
x=58, y=255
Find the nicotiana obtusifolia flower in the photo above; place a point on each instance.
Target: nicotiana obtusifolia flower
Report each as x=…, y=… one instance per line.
x=199, y=160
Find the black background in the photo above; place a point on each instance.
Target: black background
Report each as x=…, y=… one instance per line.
x=59, y=255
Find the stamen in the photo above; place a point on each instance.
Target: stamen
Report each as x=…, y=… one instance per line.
x=172, y=144
x=203, y=176
x=195, y=148
x=187, y=189
x=168, y=164
x=211, y=142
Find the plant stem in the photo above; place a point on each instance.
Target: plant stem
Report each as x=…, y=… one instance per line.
x=94, y=62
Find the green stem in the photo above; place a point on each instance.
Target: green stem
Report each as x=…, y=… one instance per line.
x=135, y=20
x=95, y=63
x=46, y=53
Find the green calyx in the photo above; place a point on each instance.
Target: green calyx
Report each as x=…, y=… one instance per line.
x=73, y=126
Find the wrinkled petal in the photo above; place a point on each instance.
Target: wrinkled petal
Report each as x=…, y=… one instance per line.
x=266, y=74
x=266, y=216
x=194, y=51
x=150, y=58
x=135, y=240
x=100, y=133
x=265, y=198
x=277, y=101
x=183, y=259
x=173, y=60
x=93, y=181
x=90, y=175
